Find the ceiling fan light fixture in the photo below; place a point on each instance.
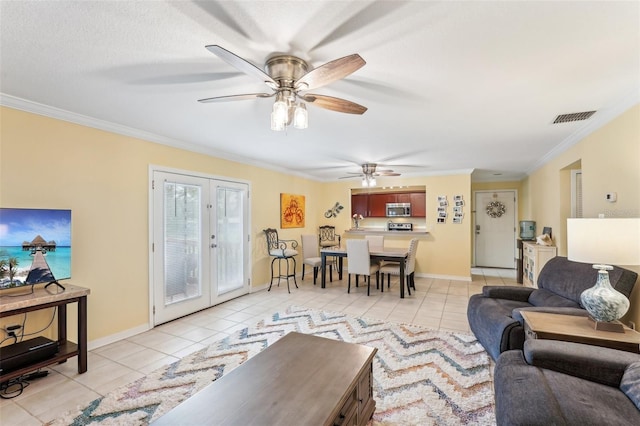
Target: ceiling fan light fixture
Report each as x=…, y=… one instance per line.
x=369, y=181
x=300, y=116
x=276, y=125
x=280, y=112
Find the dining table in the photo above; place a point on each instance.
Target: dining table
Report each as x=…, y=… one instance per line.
x=389, y=254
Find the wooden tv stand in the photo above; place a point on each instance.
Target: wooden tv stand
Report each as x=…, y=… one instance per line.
x=51, y=297
x=301, y=379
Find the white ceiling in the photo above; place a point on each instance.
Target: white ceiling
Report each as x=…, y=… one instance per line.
x=450, y=86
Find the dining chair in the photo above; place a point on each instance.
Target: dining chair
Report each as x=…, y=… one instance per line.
x=328, y=238
x=311, y=256
x=376, y=243
x=359, y=261
x=393, y=268
x=281, y=250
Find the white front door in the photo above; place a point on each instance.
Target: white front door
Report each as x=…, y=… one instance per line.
x=495, y=229
x=200, y=243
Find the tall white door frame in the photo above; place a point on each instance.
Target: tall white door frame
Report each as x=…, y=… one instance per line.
x=218, y=254
x=502, y=237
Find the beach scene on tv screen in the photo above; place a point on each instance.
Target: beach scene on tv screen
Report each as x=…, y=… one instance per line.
x=35, y=246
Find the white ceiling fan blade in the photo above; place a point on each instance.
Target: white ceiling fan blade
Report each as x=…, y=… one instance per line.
x=241, y=64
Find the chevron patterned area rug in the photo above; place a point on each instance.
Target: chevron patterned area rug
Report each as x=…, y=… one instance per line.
x=421, y=376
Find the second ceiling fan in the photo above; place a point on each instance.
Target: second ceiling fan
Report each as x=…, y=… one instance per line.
x=369, y=173
x=288, y=77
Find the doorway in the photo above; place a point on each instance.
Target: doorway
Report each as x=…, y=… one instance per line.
x=199, y=242
x=495, y=228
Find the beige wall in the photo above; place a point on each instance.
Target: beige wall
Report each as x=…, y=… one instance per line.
x=610, y=162
x=104, y=179
x=445, y=251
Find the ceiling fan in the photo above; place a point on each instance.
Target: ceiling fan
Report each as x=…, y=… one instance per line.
x=288, y=76
x=369, y=173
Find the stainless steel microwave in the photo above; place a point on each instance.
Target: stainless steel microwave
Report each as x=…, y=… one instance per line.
x=398, y=209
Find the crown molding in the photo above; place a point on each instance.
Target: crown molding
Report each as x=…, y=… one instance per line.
x=84, y=120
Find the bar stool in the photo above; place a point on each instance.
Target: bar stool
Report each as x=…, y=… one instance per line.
x=281, y=250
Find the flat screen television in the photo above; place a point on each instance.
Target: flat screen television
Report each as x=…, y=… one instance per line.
x=35, y=246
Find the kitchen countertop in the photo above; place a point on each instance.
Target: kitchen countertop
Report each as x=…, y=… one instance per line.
x=382, y=231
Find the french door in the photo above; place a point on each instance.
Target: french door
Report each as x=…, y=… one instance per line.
x=495, y=229
x=200, y=243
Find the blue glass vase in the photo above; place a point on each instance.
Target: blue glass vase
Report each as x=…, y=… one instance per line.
x=603, y=302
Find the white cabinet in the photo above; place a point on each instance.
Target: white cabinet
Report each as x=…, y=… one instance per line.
x=534, y=257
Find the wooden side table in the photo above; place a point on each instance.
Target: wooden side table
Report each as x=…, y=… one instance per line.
x=43, y=298
x=570, y=328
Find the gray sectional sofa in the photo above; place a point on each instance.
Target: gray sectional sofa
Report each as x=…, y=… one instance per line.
x=547, y=382
x=562, y=383
x=494, y=316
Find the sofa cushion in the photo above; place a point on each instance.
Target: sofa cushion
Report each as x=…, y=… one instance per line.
x=491, y=322
x=528, y=395
x=544, y=297
x=569, y=279
x=630, y=383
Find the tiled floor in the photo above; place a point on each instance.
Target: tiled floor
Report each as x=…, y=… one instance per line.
x=436, y=303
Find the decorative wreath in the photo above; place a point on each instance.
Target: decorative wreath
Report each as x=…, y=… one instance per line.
x=495, y=209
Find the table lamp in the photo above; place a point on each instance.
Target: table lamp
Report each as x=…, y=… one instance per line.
x=604, y=241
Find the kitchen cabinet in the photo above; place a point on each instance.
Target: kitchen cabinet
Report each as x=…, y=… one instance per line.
x=375, y=205
x=418, y=204
x=378, y=204
x=360, y=204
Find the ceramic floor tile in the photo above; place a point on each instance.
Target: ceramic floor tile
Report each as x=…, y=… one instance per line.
x=98, y=376
x=47, y=406
x=172, y=345
x=199, y=333
x=168, y=359
x=118, y=382
x=435, y=303
x=220, y=324
x=428, y=322
x=13, y=414
x=150, y=339
x=138, y=360
x=119, y=350
x=176, y=328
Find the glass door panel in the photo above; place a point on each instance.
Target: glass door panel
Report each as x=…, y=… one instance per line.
x=200, y=243
x=231, y=240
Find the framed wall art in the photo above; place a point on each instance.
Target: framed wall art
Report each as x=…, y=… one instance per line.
x=292, y=211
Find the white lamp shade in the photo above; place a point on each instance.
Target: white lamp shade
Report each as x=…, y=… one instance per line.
x=612, y=241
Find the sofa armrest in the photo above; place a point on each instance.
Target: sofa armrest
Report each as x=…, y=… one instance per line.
x=517, y=312
x=594, y=363
x=520, y=294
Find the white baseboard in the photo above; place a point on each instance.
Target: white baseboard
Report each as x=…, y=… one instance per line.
x=98, y=343
x=446, y=277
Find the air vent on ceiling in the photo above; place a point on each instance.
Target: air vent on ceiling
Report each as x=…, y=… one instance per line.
x=576, y=116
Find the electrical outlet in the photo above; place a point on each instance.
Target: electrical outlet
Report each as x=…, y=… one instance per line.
x=632, y=325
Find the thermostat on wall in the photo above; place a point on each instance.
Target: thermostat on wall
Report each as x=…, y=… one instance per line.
x=611, y=197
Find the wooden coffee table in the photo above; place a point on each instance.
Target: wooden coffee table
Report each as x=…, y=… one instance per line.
x=570, y=328
x=301, y=379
